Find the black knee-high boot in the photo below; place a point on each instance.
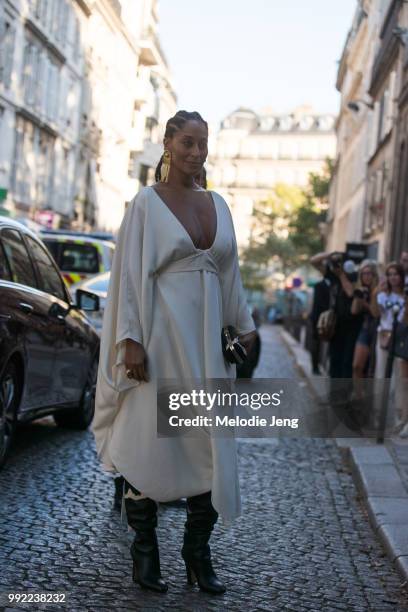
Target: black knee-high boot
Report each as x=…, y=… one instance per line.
x=201, y=518
x=142, y=517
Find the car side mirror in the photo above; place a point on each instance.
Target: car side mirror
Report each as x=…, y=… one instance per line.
x=85, y=300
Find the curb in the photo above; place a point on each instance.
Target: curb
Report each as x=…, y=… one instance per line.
x=375, y=476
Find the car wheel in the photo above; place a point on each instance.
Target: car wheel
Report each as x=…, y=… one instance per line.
x=9, y=399
x=81, y=417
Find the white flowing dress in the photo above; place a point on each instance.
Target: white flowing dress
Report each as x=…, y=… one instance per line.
x=174, y=299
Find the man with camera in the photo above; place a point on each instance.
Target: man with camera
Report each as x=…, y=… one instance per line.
x=344, y=326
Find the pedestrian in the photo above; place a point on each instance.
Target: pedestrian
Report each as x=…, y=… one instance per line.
x=362, y=304
x=404, y=263
x=321, y=302
x=388, y=295
x=346, y=326
x=175, y=283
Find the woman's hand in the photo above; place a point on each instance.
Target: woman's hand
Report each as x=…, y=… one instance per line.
x=136, y=360
x=247, y=340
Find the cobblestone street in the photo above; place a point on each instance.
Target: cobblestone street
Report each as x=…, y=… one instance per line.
x=303, y=542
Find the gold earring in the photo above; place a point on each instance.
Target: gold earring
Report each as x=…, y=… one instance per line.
x=165, y=167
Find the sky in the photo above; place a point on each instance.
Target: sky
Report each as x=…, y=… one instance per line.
x=254, y=53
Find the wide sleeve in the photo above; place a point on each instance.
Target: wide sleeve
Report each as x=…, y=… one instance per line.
x=235, y=308
x=122, y=316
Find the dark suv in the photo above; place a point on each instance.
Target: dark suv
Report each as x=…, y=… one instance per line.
x=48, y=348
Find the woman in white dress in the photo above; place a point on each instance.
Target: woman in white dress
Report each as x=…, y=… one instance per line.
x=174, y=284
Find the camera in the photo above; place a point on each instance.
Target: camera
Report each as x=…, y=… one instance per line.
x=335, y=261
x=362, y=294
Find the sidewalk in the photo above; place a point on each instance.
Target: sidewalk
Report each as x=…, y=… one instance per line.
x=380, y=473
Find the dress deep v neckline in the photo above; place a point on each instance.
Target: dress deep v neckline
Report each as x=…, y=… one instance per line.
x=172, y=214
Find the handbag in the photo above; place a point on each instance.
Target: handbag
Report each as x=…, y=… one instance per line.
x=326, y=323
x=401, y=341
x=232, y=349
x=384, y=338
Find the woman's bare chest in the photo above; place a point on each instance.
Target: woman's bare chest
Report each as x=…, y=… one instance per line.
x=196, y=212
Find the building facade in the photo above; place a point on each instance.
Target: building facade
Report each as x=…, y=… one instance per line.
x=367, y=191
x=353, y=127
x=76, y=82
x=397, y=237
x=253, y=152
x=40, y=90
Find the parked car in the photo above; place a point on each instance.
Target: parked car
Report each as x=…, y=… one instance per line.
x=99, y=285
x=79, y=257
x=48, y=348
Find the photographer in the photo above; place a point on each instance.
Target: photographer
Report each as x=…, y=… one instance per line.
x=404, y=263
x=345, y=326
x=362, y=304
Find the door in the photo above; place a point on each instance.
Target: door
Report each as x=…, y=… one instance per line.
x=71, y=345
x=28, y=311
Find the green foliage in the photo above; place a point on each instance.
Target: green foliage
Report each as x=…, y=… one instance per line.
x=285, y=229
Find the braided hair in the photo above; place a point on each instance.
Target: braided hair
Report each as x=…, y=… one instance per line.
x=173, y=125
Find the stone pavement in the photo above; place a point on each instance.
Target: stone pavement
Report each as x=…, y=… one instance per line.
x=302, y=543
x=380, y=473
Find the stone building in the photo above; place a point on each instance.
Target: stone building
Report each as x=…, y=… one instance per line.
x=40, y=90
x=82, y=85
x=366, y=196
x=252, y=152
x=397, y=237
x=353, y=127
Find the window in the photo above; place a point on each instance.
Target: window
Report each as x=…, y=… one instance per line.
x=32, y=72
x=150, y=125
x=50, y=280
x=143, y=174
x=33, y=164
x=4, y=267
x=380, y=129
x=132, y=167
x=7, y=37
x=79, y=258
x=52, y=246
x=19, y=261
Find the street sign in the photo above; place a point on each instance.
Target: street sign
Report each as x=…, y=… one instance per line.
x=357, y=251
x=3, y=193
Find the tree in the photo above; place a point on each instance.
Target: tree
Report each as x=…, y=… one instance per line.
x=285, y=229
x=305, y=223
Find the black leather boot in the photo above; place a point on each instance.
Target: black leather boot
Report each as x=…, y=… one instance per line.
x=117, y=499
x=142, y=517
x=201, y=518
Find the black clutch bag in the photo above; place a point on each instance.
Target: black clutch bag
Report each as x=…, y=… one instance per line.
x=232, y=349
